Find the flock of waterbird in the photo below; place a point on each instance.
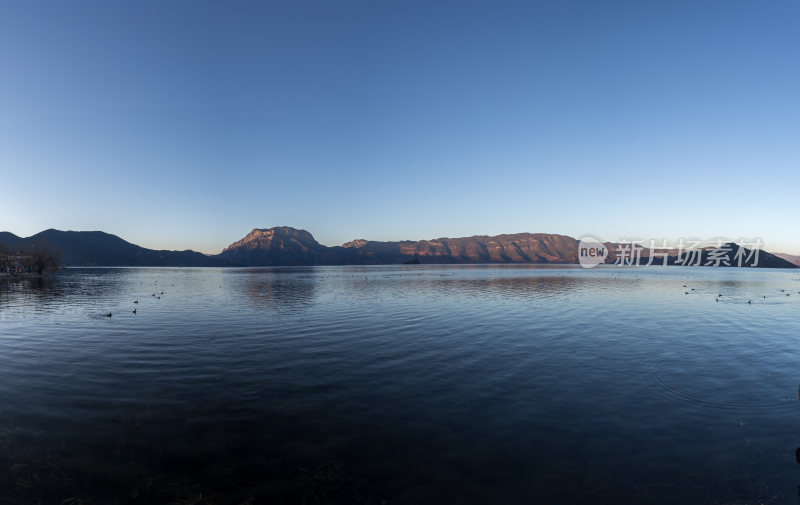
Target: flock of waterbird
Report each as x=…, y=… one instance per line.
x=750, y=301
x=157, y=295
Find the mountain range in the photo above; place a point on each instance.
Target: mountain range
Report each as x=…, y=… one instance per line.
x=97, y=248
x=287, y=246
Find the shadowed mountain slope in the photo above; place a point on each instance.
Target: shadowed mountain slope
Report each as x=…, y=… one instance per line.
x=97, y=248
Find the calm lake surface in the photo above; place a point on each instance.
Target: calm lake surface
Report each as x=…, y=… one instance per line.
x=400, y=385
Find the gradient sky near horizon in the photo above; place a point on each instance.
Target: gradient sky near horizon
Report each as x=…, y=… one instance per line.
x=182, y=125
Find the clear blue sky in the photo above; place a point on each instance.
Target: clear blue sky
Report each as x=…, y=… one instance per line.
x=186, y=124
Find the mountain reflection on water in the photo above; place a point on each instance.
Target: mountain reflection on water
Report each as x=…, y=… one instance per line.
x=400, y=384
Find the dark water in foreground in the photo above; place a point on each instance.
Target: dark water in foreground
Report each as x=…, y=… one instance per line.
x=400, y=385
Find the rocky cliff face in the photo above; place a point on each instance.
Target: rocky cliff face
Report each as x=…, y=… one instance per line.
x=281, y=245
x=288, y=246
x=517, y=248
x=790, y=258
x=96, y=248
x=357, y=243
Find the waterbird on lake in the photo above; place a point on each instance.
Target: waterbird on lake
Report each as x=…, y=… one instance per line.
x=108, y=315
x=134, y=311
x=748, y=301
x=136, y=301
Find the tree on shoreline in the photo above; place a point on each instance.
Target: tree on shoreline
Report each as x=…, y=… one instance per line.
x=45, y=257
x=40, y=258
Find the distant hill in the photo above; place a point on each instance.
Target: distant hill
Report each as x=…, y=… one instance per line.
x=284, y=245
x=729, y=255
x=10, y=240
x=789, y=257
x=97, y=248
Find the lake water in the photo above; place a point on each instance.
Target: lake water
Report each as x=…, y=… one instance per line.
x=401, y=385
